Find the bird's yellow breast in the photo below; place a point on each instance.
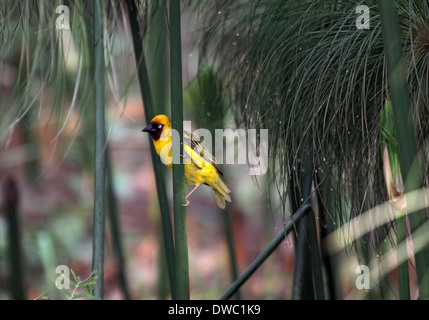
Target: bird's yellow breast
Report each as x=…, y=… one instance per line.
x=163, y=147
x=197, y=169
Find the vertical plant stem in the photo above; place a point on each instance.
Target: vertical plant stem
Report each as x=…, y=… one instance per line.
x=157, y=53
x=115, y=229
x=230, y=245
x=156, y=56
x=308, y=282
x=316, y=263
x=407, y=147
x=157, y=165
x=10, y=193
x=403, y=274
x=391, y=171
x=180, y=228
x=161, y=281
x=99, y=156
x=302, y=279
x=326, y=209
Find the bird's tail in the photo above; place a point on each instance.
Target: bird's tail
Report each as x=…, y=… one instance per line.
x=221, y=193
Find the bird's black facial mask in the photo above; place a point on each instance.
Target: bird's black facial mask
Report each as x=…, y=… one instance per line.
x=153, y=130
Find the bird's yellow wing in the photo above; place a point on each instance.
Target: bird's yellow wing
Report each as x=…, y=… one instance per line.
x=198, y=154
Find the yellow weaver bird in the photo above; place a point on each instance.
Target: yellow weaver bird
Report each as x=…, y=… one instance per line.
x=202, y=169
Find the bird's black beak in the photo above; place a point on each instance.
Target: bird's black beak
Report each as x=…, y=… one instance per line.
x=150, y=128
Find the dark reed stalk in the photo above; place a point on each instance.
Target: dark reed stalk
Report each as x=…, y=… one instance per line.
x=115, y=229
x=99, y=155
x=157, y=165
x=180, y=227
x=11, y=199
x=308, y=282
x=266, y=253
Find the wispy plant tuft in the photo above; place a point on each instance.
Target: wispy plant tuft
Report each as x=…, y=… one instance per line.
x=47, y=70
x=304, y=70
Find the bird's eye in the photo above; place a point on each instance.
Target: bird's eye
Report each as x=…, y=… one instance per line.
x=160, y=126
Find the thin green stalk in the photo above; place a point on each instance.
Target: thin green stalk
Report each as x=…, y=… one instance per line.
x=266, y=253
x=404, y=129
x=316, y=263
x=99, y=156
x=180, y=228
x=156, y=56
x=115, y=229
x=403, y=273
x=227, y=225
x=157, y=53
x=162, y=276
x=157, y=165
x=10, y=193
x=390, y=162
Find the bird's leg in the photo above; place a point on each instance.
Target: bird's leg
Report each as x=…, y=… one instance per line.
x=187, y=201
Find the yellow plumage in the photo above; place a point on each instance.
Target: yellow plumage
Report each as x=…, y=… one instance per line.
x=201, y=167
